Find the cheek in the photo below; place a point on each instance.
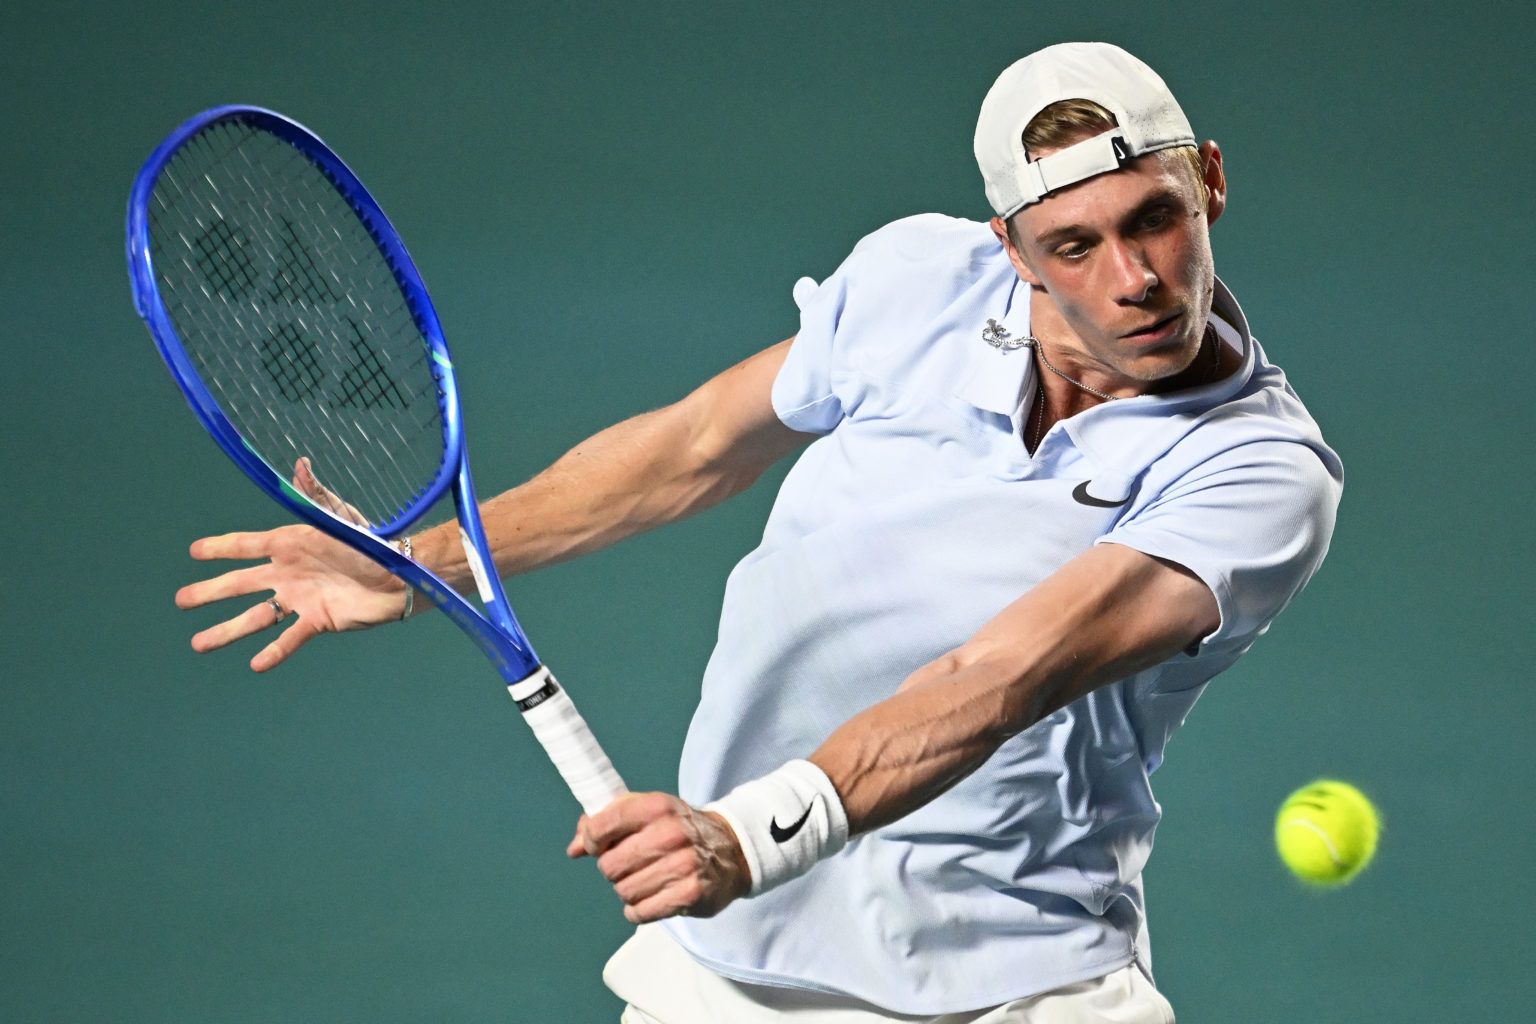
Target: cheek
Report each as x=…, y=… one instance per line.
x=1074, y=295
x=1189, y=259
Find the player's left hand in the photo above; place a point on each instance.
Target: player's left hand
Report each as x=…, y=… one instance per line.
x=664, y=857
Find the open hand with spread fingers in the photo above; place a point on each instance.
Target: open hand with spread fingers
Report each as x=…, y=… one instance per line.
x=664, y=857
x=331, y=587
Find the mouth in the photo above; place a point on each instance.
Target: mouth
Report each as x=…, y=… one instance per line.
x=1158, y=330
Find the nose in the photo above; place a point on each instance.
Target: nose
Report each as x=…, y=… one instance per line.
x=1132, y=277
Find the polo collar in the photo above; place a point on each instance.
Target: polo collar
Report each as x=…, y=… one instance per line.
x=1122, y=438
x=999, y=376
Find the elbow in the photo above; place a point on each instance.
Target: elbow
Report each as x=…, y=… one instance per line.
x=716, y=455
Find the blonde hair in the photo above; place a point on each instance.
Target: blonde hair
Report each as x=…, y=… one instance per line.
x=1067, y=121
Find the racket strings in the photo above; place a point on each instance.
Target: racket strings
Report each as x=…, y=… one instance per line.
x=286, y=357
x=296, y=321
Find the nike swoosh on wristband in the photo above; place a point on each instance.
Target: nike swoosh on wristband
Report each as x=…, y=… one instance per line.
x=1082, y=497
x=784, y=835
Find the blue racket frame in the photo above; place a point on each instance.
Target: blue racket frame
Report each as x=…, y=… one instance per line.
x=497, y=633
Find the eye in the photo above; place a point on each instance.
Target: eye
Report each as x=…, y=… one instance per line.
x=1072, y=251
x=1156, y=219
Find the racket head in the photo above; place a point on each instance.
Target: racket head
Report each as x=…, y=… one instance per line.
x=251, y=281
x=346, y=200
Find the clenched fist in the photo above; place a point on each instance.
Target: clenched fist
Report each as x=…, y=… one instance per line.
x=664, y=857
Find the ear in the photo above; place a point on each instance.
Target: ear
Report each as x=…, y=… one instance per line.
x=1215, y=181
x=1000, y=230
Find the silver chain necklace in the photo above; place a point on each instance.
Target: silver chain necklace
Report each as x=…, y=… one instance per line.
x=998, y=337
x=1034, y=343
x=1039, y=419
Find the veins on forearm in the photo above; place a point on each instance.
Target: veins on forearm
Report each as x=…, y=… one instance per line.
x=944, y=722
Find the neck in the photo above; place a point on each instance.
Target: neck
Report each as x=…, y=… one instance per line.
x=1064, y=350
x=1061, y=394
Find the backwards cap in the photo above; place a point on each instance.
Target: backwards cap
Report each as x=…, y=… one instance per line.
x=1148, y=115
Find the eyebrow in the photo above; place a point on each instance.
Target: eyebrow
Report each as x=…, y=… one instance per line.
x=1162, y=196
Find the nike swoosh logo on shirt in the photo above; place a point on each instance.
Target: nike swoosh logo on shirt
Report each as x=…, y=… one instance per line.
x=784, y=835
x=1082, y=497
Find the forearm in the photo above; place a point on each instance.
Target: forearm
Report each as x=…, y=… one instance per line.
x=944, y=722
x=1109, y=614
x=626, y=479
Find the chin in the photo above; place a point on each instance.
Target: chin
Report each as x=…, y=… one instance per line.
x=1155, y=366
x=1163, y=362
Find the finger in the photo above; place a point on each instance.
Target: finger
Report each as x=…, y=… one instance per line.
x=288, y=641
x=252, y=620
x=651, y=879
x=303, y=475
x=305, y=480
x=679, y=898
x=635, y=852
x=233, y=545
x=624, y=816
x=577, y=847
x=235, y=583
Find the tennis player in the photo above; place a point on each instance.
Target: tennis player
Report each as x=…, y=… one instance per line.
x=1048, y=486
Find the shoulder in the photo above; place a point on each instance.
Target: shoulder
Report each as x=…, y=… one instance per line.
x=1266, y=415
x=939, y=251
x=1247, y=499
x=882, y=310
x=902, y=279
x=1261, y=440
x=927, y=257
x=926, y=236
x=1256, y=428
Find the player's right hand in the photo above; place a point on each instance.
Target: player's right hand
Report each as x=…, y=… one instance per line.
x=331, y=587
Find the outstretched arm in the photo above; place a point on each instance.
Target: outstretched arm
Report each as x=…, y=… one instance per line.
x=1107, y=614
x=653, y=469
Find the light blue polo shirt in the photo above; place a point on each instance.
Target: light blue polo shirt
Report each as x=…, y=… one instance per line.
x=914, y=518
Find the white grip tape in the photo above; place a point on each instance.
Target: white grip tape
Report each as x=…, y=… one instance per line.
x=785, y=821
x=564, y=734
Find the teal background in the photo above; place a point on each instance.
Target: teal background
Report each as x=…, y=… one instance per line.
x=611, y=202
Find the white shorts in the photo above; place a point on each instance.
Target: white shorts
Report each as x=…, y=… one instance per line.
x=664, y=985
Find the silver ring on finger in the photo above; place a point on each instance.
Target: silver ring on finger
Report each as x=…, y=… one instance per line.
x=278, y=610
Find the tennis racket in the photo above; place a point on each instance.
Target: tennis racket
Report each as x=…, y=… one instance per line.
x=296, y=325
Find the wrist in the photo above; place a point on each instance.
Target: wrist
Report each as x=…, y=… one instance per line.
x=784, y=822
x=734, y=858
x=404, y=547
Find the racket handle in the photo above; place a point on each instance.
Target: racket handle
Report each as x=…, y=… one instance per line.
x=568, y=741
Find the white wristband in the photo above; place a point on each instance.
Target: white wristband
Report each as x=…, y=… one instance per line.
x=786, y=821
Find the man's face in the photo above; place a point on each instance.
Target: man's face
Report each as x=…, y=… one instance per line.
x=1125, y=259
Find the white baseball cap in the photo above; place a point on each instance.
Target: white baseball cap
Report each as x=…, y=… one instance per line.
x=1148, y=115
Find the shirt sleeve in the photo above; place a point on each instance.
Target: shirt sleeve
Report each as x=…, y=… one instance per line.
x=803, y=393
x=873, y=276
x=1253, y=523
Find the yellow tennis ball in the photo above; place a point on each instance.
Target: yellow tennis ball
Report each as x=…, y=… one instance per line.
x=1326, y=832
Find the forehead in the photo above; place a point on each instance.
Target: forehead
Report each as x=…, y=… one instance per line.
x=1105, y=199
